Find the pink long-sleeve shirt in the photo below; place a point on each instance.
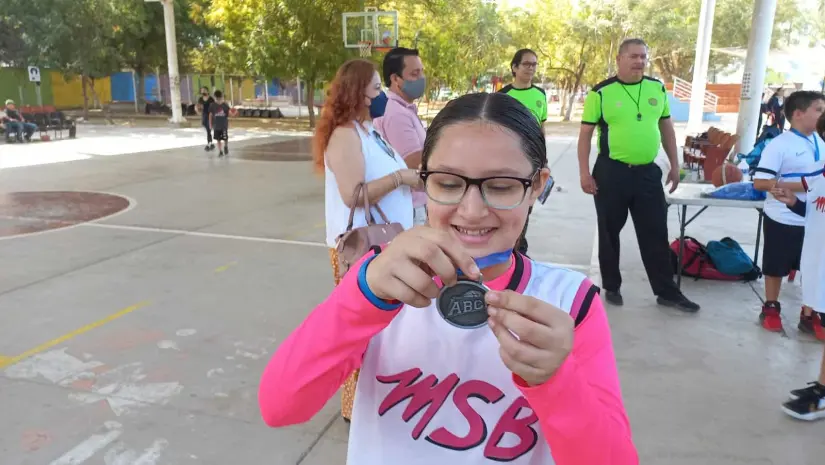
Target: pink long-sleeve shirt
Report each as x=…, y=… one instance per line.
x=411, y=361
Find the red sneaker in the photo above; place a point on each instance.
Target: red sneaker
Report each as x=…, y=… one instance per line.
x=819, y=329
x=770, y=317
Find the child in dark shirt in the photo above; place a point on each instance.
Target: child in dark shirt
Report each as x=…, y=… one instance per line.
x=219, y=122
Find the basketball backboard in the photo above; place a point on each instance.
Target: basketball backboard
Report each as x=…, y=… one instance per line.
x=380, y=28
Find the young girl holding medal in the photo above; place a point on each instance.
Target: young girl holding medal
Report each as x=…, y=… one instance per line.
x=469, y=353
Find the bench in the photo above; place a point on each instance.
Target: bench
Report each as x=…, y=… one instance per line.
x=48, y=118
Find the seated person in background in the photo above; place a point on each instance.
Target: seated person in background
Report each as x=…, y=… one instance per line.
x=15, y=123
x=3, y=119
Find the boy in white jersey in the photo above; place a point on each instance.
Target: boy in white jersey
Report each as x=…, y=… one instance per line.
x=784, y=159
x=809, y=403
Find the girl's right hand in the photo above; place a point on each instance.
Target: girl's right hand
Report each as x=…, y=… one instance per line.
x=404, y=271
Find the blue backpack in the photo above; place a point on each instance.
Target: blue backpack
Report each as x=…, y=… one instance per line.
x=729, y=258
x=752, y=158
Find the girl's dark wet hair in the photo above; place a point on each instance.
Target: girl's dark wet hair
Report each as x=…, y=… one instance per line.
x=497, y=108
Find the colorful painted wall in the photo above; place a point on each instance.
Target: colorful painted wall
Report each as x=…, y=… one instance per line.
x=15, y=85
x=119, y=87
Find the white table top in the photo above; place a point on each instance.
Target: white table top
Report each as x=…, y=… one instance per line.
x=690, y=194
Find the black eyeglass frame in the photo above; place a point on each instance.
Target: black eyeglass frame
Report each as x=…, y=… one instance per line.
x=468, y=181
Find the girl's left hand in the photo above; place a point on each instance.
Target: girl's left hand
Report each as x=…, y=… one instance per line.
x=545, y=334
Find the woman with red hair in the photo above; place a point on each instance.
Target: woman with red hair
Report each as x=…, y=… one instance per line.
x=349, y=151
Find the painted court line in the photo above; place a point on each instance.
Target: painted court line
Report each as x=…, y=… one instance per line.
x=223, y=268
x=91, y=446
x=203, y=234
x=5, y=362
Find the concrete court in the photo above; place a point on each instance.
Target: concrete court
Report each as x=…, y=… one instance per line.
x=140, y=338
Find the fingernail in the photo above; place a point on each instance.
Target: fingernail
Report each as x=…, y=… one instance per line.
x=492, y=297
x=474, y=269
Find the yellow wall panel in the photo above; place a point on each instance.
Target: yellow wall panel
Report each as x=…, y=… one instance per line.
x=69, y=94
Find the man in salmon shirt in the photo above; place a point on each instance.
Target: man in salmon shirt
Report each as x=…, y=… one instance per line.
x=403, y=74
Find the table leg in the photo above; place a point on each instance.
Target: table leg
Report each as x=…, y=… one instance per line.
x=758, y=237
x=682, y=225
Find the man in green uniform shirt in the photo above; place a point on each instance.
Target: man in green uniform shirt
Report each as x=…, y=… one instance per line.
x=523, y=66
x=631, y=113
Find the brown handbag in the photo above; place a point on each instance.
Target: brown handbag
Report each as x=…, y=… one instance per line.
x=353, y=244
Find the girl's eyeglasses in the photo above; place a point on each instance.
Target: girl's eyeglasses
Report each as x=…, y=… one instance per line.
x=499, y=192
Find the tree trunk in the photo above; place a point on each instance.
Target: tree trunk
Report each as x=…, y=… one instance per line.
x=562, y=99
x=107, y=111
x=85, y=98
x=576, y=86
x=310, y=84
x=140, y=86
x=95, y=99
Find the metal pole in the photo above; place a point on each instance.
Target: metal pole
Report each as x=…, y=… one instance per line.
x=299, y=96
x=39, y=97
x=231, y=91
x=134, y=88
x=172, y=58
x=753, y=78
x=700, y=67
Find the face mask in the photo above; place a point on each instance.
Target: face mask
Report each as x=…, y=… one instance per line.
x=378, y=105
x=414, y=89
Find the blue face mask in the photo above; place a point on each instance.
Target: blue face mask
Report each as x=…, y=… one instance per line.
x=378, y=105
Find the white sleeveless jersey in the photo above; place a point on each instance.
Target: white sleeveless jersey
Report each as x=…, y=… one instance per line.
x=813, y=250
x=430, y=393
x=396, y=205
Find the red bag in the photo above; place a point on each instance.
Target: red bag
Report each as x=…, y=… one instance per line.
x=696, y=263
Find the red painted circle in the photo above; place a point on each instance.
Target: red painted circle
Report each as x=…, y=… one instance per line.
x=32, y=212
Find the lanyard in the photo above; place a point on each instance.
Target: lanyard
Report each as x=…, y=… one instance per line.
x=804, y=175
x=492, y=259
x=383, y=144
x=813, y=143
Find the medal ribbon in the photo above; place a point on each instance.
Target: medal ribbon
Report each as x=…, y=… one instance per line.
x=492, y=259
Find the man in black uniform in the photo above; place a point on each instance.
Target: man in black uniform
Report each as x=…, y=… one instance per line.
x=632, y=115
x=204, y=102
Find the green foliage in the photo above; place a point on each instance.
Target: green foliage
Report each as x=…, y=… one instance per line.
x=462, y=42
x=295, y=38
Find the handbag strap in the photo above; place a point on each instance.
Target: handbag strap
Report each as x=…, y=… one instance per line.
x=367, y=213
x=354, y=204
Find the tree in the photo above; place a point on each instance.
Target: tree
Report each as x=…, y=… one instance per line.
x=140, y=37
x=670, y=27
x=300, y=38
x=459, y=40
x=53, y=30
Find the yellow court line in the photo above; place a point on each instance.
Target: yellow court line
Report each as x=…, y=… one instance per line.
x=6, y=361
x=223, y=268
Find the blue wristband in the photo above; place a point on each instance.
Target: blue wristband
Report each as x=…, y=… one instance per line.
x=365, y=289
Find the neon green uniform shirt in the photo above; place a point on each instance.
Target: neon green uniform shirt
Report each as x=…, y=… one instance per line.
x=627, y=117
x=534, y=98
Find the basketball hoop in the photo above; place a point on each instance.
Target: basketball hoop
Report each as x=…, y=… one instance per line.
x=365, y=47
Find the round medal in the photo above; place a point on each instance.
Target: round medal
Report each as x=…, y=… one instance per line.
x=462, y=304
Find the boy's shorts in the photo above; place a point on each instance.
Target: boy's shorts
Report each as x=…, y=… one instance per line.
x=220, y=134
x=783, y=248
